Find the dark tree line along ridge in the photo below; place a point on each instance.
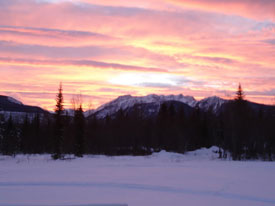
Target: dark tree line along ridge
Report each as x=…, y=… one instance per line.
x=239, y=130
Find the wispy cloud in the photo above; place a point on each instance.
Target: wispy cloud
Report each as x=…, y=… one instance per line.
x=104, y=48
x=86, y=63
x=258, y=9
x=270, y=41
x=58, y=37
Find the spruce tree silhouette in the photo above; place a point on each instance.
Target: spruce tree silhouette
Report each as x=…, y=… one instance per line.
x=79, y=122
x=239, y=94
x=241, y=123
x=58, y=127
x=10, y=139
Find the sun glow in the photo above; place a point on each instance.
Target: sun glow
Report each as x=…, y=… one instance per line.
x=103, y=49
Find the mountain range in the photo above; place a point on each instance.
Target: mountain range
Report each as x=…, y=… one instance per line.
x=150, y=104
x=147, y=105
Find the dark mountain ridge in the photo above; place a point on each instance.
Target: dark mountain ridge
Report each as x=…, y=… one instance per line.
x=9, y=104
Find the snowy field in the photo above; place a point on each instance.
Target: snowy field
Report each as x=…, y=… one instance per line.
x=196, y=178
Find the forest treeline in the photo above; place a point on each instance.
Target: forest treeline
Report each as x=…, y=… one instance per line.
x=239, y=130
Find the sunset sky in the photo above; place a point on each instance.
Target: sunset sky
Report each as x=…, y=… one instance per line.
x=106, y=48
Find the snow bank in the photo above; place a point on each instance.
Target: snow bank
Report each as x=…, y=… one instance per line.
x=197, y=155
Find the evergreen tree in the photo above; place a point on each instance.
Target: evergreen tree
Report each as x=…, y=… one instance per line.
x=92, y=140
x=79, y=122
x=1, y=132
x=161, y=127
x=241, y=119
x=181, y=127
x=25, y=136
x=35, y=136
x=240, y=94
x=119, y=132
x=10, y=141
x=59, y=126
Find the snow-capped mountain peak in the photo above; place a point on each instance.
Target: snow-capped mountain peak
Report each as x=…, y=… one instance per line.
x=127, y=101
x=213, y=103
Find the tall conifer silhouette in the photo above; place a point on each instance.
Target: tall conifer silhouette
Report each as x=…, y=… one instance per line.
x=58, y=129
x=79, y=122
x=239, y=94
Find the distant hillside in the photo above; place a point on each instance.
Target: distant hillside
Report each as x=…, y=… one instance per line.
x=17, y=110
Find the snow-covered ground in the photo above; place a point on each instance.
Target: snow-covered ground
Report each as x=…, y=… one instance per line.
x=196, y=178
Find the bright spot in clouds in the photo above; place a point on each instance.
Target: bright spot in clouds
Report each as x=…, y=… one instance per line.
x=106, y=48
x=138, y=79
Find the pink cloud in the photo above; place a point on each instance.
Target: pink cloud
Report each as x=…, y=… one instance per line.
x=43, y=43
x=54, y=37
x=86, y=63
x=257, y=9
